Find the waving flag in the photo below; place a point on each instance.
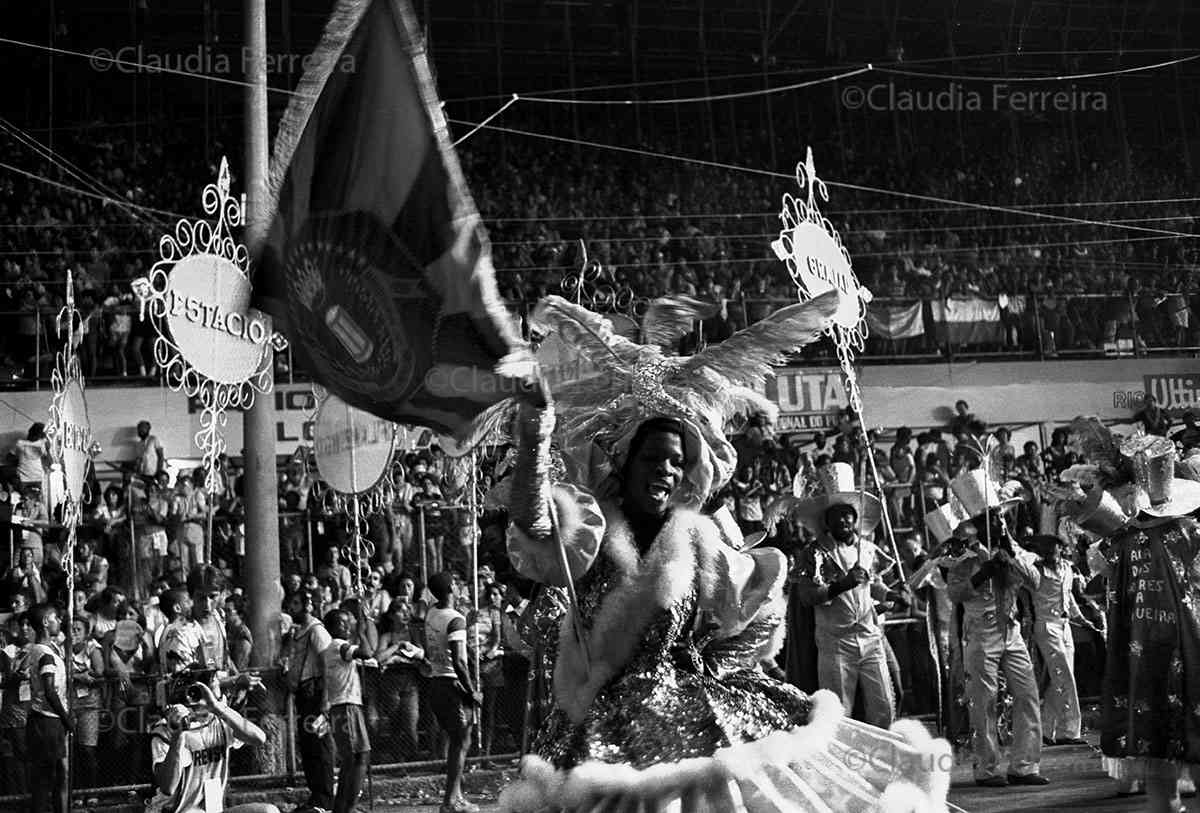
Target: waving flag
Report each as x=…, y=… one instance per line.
x=892, y=321
x=375, y=262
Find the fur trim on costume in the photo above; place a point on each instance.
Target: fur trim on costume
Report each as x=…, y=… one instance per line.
x=732, y=588
x=643, y=588
x=909, y=768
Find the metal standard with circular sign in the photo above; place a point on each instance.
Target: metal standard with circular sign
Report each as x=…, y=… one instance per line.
x=75, y=437
x=208, y=312
x=353, y=448
x=821, y=265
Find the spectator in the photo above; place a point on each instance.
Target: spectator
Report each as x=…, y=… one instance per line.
x=1030, y=462
x=90, y=567
x=151, y=458
x=240, y=639
x=452, y=693
x=14, y=705
x=1054, y=458
x=344, y=699
x=33, y=457
x=748, y=491
x=336, y=572
x=49, y=721
x=1152, y=417
x=189, y=509
x=305, y=679
x=88, y=664
x=489, y=627
x=962, y=418
x=206, y=586
x=1189, y=436
x=400, y=657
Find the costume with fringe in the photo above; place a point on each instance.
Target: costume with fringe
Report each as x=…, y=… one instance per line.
x=660, y=697
x=1151, y=709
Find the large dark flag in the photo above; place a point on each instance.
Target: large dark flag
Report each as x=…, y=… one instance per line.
x=375, y=262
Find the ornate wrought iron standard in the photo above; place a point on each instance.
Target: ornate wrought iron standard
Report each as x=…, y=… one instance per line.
x=210, y=345
x=818, y=262
x=72, y=448
x=597, y=288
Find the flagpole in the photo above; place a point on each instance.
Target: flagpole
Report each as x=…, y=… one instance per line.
x=258, y=424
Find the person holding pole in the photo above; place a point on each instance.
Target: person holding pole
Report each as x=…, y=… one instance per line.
x=986, y=586
x=840, y=577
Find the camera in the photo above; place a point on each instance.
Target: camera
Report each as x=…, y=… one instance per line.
x=182, y=690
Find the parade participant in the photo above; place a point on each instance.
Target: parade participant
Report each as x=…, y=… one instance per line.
x=1150, y=720
x=1054, y=608
x=658, y=662
x=839, y=576
x=986, y=586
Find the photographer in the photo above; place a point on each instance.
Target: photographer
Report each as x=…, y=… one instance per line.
x=190, y=748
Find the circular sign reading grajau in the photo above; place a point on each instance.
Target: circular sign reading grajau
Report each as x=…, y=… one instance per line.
x=207, y=304
x=821, y=265
x=353, y=448
x=75, y=437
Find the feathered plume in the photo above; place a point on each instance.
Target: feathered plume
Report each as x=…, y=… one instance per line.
x=1095, y=442
x=591, y=333
x=777, y=510
x=670, y=317
x=748, y=356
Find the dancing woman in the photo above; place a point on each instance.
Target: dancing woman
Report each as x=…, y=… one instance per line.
x=659, y=694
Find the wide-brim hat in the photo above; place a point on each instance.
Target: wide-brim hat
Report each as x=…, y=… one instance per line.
x=1039, y=543
x=1161, y=495
x=944, y=520
x=977, y=493
x=1101, y=513
x=837, y=482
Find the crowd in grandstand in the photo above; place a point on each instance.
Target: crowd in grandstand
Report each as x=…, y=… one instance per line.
x=658, y=228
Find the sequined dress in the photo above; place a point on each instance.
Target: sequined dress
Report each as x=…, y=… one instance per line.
x=669, y=702
x=670, y=706
x=1151, y=710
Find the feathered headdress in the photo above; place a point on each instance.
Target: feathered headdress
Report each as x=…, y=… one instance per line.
x=628, y=383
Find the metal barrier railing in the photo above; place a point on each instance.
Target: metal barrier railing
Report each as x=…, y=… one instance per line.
x=1036, y=325
x=403, y=735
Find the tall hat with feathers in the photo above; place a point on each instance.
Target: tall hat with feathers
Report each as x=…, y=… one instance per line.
x=628, y=383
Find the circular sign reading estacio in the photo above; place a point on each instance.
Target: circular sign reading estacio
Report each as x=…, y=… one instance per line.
x=207, y=304
x=353, y=448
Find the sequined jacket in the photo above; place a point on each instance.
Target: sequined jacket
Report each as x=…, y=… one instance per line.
x=733, y=589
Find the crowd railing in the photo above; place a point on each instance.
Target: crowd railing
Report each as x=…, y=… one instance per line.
x=1033, y=326
x=403, y=731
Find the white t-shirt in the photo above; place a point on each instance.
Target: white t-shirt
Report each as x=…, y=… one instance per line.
x=148, y=456
x=54, y=665
x=204, y=763
x=443, y=627
x=342, y=681
x=30, y=456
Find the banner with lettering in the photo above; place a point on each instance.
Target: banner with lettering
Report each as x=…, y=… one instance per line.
x=1175, y=393
x=1151, y=703
x=809, y=399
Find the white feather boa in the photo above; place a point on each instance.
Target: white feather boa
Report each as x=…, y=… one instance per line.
x=915, y=779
